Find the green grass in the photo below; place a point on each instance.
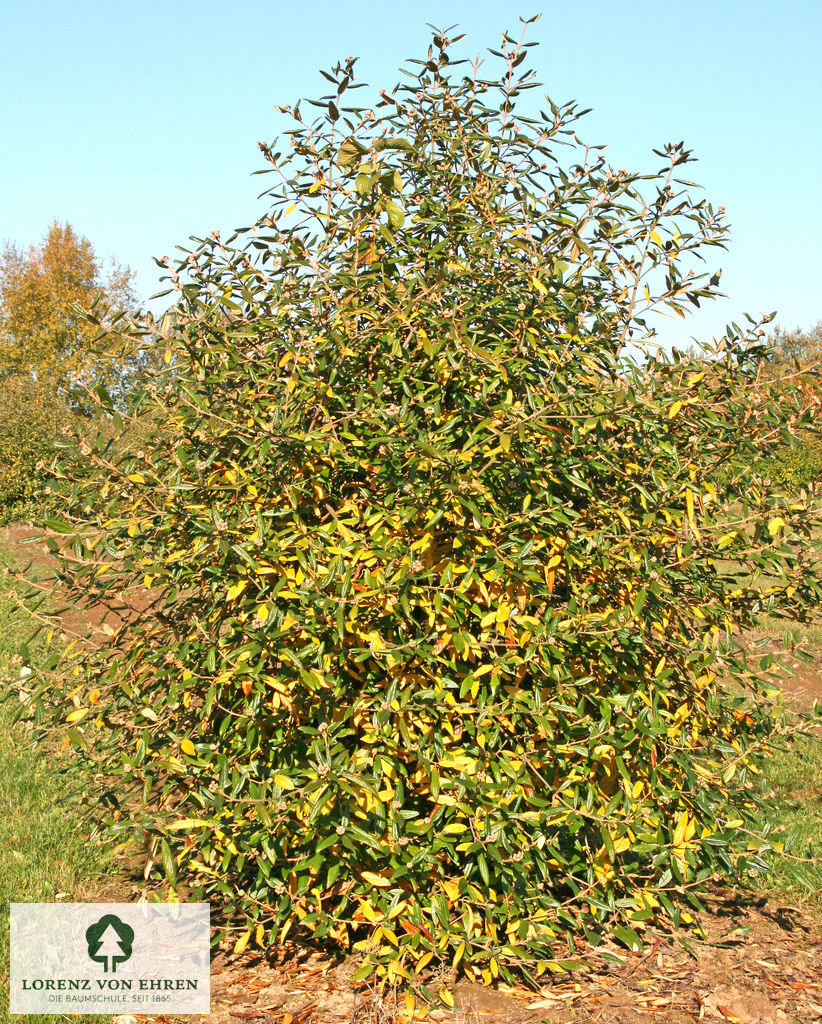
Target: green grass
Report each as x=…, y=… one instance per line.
x=791, y=791
x=42, y=853
x=807, y=635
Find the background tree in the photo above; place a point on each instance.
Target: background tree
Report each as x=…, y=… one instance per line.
x=50, y=352
x=42, y=290
x=436, y=666
x=796, y=348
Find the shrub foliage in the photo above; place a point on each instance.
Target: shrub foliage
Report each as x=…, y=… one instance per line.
x=432, y=669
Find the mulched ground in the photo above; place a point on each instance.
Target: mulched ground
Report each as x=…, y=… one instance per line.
x=760, y=962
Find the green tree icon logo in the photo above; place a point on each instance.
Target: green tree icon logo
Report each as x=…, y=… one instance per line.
x=109, y=942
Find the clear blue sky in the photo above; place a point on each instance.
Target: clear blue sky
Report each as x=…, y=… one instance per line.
x=138, y=122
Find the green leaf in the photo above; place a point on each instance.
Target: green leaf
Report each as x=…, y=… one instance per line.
x=350, y=152
x=169, y=866
x=396, y=217
x=628, y=937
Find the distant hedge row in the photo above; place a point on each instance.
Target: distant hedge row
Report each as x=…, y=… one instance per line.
x=32, y=419
x=36, y=427
x=798, y=467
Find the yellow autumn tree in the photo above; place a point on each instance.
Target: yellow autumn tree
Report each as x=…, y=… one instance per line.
x=41, y=289
x=47, y=349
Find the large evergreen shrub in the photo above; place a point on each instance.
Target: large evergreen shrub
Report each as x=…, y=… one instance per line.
x=437, y=668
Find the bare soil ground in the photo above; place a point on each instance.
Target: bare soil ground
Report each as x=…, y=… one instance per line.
x=760, y=961
x=37, y=562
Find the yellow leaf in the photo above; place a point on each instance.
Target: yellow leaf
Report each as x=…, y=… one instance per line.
x=376, y=880
x=423, y=962
x=266, y=570
x=446, y=996
x=260, y=935
x=369, y=913
x=505, y=442
x=674, y=410
x=136, y=478
x=187, y=747
x=681, y=829
x=682, y=713
x=75, y=716
x=775, y=525
x=689, y=502
x=187, y=823
x=236, y=589
x=242, y=942
x=261, y=615
x=283, y=782
x=452, y=890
